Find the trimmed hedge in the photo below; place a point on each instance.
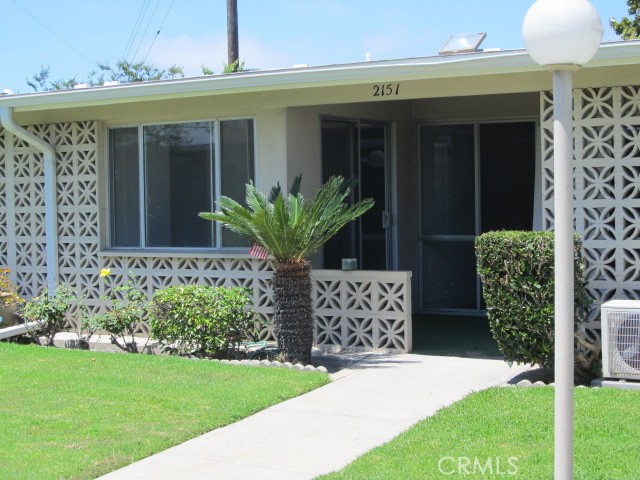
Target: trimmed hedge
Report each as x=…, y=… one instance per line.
x=201, y=320
x=516, y=269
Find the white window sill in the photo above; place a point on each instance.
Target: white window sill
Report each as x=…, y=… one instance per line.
x=175, y=253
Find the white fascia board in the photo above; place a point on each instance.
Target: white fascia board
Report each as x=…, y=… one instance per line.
x=616, y=54
x=478, y=64
x=269, y=81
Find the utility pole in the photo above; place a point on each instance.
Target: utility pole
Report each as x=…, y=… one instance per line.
x=232, y=33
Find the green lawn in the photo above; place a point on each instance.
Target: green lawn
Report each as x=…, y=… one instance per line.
x=502, y=423
x=78, y=414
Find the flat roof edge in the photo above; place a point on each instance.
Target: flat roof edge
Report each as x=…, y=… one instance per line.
x=503, y=62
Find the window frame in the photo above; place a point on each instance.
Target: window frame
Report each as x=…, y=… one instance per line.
x=216, y=185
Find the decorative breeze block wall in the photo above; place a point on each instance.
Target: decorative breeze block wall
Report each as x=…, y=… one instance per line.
x=354, y=310
x=606, y=186
x=367, y=310
x=163, y=271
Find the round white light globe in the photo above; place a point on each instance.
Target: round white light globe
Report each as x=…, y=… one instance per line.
x=562, y=34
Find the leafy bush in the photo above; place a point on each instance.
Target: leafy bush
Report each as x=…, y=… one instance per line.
x=517, y=272
x=201, y=320
x=129, y=305
x=51, y=311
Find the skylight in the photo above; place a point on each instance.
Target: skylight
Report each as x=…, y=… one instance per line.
x=463, y=43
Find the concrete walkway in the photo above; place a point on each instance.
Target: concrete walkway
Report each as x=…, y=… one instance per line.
x=365, y=406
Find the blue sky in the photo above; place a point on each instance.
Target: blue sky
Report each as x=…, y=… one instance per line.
x=273, y=33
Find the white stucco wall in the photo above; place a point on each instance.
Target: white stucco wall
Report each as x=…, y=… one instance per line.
x=271, y=148
x=288, y=124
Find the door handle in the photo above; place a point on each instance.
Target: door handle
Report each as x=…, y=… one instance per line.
x=386, y=219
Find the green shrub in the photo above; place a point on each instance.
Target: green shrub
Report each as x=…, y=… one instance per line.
x=129, y=305
x=51, y=311
x=201, y=320
x=517, y=272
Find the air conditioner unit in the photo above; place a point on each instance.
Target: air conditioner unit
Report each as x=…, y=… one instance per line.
x=621, y=339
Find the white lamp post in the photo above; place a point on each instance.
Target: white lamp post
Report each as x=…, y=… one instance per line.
x=562, y=36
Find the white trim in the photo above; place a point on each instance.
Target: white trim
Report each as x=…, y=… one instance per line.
x=363, y=274
x=509, y=61
x=240, y=253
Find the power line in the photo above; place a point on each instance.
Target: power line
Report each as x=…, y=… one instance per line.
x=144, y=14
x=54, y=33
x=146, y=29
x=126, y=48
x=141, y=15
x=158, y=32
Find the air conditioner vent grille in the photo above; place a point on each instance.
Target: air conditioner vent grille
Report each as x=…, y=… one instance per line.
x=624, y=331
x=622, y=337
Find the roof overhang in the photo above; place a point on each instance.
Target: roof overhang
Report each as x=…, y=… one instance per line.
x=476, y=64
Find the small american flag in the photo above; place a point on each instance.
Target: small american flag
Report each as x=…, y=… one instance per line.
x=258, y=251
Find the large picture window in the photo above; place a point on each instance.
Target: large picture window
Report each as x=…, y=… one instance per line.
x=162, y=176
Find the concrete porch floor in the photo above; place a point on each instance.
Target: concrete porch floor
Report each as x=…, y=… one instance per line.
x=453, y=335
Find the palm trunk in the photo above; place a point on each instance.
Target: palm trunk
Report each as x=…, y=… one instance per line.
x=293, y=310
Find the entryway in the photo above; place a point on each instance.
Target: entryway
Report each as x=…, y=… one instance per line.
x=474, y=177
x=360, y=149
x=453, y=336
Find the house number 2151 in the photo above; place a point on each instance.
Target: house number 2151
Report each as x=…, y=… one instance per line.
x=386, y=89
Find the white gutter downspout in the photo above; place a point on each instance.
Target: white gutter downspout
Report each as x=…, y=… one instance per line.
x=50, y=207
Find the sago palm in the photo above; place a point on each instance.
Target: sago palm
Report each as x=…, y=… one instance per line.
x=291, y=228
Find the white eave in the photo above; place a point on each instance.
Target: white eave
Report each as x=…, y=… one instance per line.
x=476, y=64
